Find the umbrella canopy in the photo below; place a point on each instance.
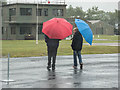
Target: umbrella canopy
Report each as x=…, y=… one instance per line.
x=85, y=30
x=57, y=28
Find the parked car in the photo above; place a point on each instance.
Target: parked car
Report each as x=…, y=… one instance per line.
x=29, y=37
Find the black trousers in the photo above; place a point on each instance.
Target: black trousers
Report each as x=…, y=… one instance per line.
x=52, y=52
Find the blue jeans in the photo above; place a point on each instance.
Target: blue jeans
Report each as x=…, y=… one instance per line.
x=75, y=54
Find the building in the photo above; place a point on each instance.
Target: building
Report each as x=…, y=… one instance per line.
x=0, y=20
x=97, y=26
x=100, y=27
x=20, y=19
x=118, y=31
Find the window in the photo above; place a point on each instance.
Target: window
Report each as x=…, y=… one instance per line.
x=13, y=30
x=58, y=12
x=25, y=30
x=1, y=12
x=12, y=11
x=39, y=12
x=26, y=11
x=45, y=12
x=40, y=30
x=2, y=30
x=55, y=12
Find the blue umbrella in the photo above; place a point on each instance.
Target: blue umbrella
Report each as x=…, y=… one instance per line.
x=85, y=30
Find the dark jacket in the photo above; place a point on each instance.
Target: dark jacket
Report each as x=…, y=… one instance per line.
x=77, y=41
x=52, y=42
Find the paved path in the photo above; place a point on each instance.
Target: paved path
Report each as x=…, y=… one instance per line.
x=103, y=44
x=100, y=71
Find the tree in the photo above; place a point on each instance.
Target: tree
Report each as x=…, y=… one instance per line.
x=79, y=12
x=3, y=2
x=75, y=12
x=93, y=13
x=113, y=17
x=70, y=11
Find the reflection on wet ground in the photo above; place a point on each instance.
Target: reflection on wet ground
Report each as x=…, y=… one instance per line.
x=51, y=75
x=100, y=71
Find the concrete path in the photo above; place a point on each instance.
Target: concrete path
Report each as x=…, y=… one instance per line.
x=100, y=71
x=103, y=44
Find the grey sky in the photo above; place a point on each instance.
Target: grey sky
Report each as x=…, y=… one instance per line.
x=106, y=5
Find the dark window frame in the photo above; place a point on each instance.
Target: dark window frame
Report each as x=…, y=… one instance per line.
x=39, y=11
x=13, y=30
x=40, y=29
x=55, y=12
x=45, y=11
x=1, y=12
x=25, y=30
x=2, y=30
x=12, y=11
x=58, y=12
x=25, y=11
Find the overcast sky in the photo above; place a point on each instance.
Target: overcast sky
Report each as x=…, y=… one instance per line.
x=106, y=5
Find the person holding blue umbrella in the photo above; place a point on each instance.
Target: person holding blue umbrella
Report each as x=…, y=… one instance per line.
x=76, y=45
x=85, y=30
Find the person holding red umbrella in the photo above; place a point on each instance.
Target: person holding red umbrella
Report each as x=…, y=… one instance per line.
x=55, y=30
x=52, y=46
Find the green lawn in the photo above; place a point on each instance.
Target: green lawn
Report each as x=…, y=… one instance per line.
x=65, y=49
x=105, y=39
x=26, y=48
x=23, y=48
x=109, y=37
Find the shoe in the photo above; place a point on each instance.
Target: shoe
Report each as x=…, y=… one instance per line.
x=48, y=68
x=81, y=66
x=75, y=67
x=53, y=68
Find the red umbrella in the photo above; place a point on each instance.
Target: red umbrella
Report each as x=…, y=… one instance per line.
x=57, y=28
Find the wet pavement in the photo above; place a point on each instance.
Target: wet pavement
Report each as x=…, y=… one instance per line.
x=99, y=71
x=103, y=44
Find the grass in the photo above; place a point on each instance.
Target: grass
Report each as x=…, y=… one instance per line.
x=23, y=48
x=65, y=49
x=105, y=39
x=109, y=37
x=27, y=48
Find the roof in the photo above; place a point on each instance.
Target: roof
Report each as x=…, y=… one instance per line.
x=97, y=21
x=35, y=4
x=93, y=21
